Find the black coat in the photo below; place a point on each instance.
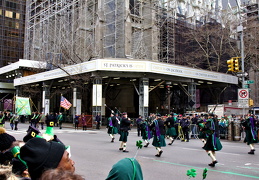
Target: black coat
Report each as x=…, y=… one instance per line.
x=125, y=124
x=161, y=127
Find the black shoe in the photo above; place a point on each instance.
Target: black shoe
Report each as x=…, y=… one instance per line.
x=170, y=143
x=159, y=154
x=112, y=140
x=146, y=145
x=252, y=152
x=213, y=163
x=125, y=151
x=120, y=149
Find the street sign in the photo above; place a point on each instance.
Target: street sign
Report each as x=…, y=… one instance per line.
x=243, y=94
x=249, y=82
x=243, y=98
x=243, y=103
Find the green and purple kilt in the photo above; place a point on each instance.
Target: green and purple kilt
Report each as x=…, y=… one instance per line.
x=209, y=144
x=249, y=137
x=160, y=143
x=171, y=132
x=124, y=136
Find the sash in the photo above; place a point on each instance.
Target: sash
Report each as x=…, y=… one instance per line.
x=252, y=128
x=157, y=131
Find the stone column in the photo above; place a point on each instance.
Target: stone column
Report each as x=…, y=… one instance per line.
x=143, y=97
x=192, y=97
x=97, y=97
x=45, y=98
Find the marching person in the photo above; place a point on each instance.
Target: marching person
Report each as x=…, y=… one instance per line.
x=124, y=131
x=171, y=132
x=158, y=129
x=145, y=132
x=42, y=120
x=113, y=126
x=213, y=143
x=60, y=120
x=249, y=126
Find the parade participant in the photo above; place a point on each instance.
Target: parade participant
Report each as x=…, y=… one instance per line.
x=249, y=126
x=12, y=121
x=201, y=124
x=158, y=129
x=98, y=120
x=213, y=143
x=42, y=120
x=185, y=123
x=126, y=169
x=2, y=119
x=138, y=122
x=41, y=155
x=171, y=132
x=16, y=121
x=110, y=126
x=145, y=132
x=124, y=131
x=60, y=120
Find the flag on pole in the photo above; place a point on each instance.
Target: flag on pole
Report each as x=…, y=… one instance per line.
x=22, y=106
x=65, y=103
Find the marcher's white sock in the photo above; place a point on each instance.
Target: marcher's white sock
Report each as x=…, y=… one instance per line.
x=210, y=153
x=159, y=149
x=252, y=146
x=146, y=141
x=124, y=146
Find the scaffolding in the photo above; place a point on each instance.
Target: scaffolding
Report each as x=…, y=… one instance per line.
x=73, y=31
x=60, y=31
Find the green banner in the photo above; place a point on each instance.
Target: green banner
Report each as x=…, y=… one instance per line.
x=22, y=106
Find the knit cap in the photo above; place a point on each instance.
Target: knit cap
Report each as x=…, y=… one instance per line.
x=41, y=155
x=6, y=140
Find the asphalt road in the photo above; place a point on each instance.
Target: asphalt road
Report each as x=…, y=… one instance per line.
x=94, y=156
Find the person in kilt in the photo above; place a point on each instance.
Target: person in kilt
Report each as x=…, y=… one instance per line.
x=213, y=143
x=171, y=132
x=145, y=132
x=158, y=129
x=201, y=124
x=124, y=131
x=113, y=126
x=249, y=126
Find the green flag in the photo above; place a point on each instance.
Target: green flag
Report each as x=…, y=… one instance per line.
x=22, y=106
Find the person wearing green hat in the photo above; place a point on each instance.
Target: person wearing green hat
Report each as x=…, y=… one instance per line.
x=126, y=169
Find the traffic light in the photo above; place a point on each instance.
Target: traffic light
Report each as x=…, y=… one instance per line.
x=230, y=64
x=251, y=102
x=233, y=64
x=236, y=64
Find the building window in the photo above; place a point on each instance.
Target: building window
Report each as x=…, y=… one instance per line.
x=9, y=14
x=17, y=16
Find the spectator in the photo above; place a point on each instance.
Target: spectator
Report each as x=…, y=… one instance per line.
x=126, y=169
x=58, y=174
x=41, y=155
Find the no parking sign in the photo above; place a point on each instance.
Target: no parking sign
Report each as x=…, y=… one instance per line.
x=243, y=98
